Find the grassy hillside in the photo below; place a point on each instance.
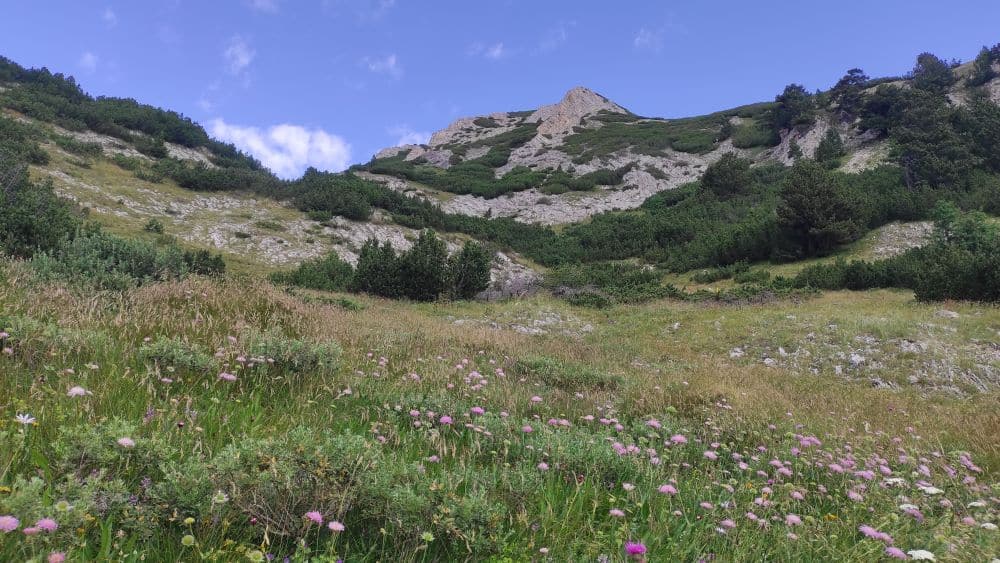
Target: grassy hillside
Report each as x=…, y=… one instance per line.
x=210, y=419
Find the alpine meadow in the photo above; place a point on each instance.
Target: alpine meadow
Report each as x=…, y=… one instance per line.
x=560, y=334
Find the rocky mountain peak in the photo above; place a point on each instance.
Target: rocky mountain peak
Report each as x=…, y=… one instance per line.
x=578, y=103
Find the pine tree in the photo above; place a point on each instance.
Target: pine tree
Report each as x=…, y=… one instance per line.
x=816, y=212
x=830, y=149
x=423, y=269
x=469, y=270
x=727, y=176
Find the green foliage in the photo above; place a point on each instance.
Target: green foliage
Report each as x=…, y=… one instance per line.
x=154, y=226
x=962, y=262
x=18, y=143
x=55, y=98
x=328, y=273
x=931, y=74
x=817, y=210
x=487, y=122
x=651, y=137
x=848, y=93
x=469, y=270
x=377, y=272
x=109, y=262
x=423, y=270
x=982, y=68
x=172, y=354
x=79, y=148
x=291, y=355
x=720, y=273
x=931, y=150
x=793, y=107
x=32, y=217
x=830, y=149
x=619, y=282
x=727, y=176
x=752, y=134
x=568, y=376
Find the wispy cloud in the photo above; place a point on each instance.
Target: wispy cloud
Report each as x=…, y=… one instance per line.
x=109, y=17
x=649, y=40
x=88, y=62
x=494, y=52
x=407, y=136
x=388, y=65
x=556, y=36
x=270, y=6
x=364, y=10
x=287, y=149
x=238, y=55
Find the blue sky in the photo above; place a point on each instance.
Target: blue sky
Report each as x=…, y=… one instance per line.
x=329, y=82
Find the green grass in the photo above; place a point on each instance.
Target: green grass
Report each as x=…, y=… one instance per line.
x=318, y=419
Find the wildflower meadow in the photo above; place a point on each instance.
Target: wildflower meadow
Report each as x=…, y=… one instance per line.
x=227, y=420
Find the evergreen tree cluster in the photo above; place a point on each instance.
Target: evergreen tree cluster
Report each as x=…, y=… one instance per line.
x=425, y=272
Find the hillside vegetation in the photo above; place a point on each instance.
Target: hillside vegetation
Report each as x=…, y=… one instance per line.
x=783, y=358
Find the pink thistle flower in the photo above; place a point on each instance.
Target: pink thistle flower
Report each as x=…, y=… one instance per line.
x=668, y=490
x=895, y=553
x=792, y=520
x=8, y=524
x=335, y=526
x=707, y=505
x=678, y=439
x=126, y=442
x=445, y=420
x=47, y=525
x=728, y=524
x=226, y=376
x=315, y=517
x=616, y=513
x=635, y=549
x=77, y=391
x=711, y=455
x=31, y=531
x=57, y=557
x=543, y=466
x=536, y=399
x=527, y=429
x=477, y=410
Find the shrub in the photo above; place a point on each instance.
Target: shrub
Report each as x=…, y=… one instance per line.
x=32, y=217
x=830, y=149
x=164, y=353
x=110, y=262
x=293, y=355
x=727, y=176
x=329, y=273
x=153, y=226
x=567, y=376
x=469, y=270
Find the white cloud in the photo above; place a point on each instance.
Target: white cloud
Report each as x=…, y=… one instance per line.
x=555, y=37
x=384, y=65
x=287, y=149
x=270, y=6
x=89, y=61
x=649, y=40
x=238, y=55
x=109, y=17
x=493, y=52
x=407, y=136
